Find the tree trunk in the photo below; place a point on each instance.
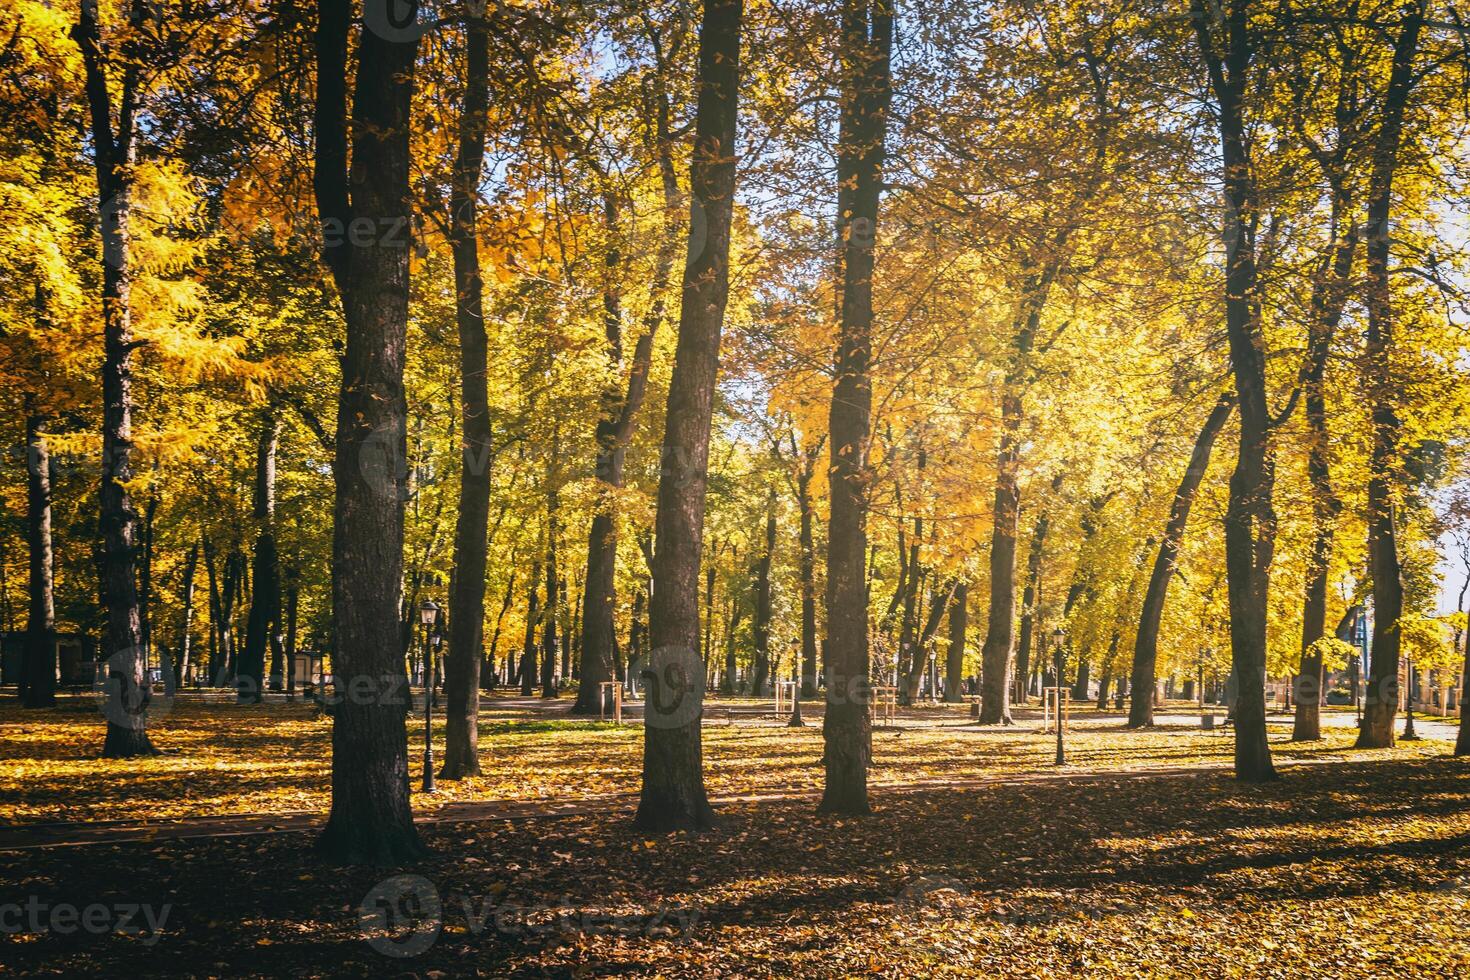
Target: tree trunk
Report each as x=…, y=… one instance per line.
x=38, y=678
x=1382, y=697
x=265, y=604
x=1083, y=680
x=224, y=587
x=900, y=590
x=293, y=600
x=549, y=639
x=616, y=426
x=709, y=613
x=673, y=796
x=489, y=673
x=1250, y=521
x=997, y=652
x=761, y=667
x=238, y=583
x=908, y=626
x=213, y=602
x=866, y=59
x=1462, y=738
x=1082, y=573
x=527, y=670
x=1031, y=595
x=7, y=621
x=1146, y=644
x=599, y=599
x=181, y=662
x=472, y=524
x=145, y=579
x=637, y=630
x=565, y=622
x=1329, y=293
x=808, y=571
x=954, y=663
x=114, y=154
x=737, y=613
x=371, y=819
x=924, y=645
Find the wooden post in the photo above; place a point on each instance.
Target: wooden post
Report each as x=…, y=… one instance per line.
x=616, y=687
x=1056, y=703
x=884, y=703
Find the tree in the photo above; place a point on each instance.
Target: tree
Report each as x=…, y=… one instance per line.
x=761, y=668
x=181, y=661
x=954, y=665
x=38, y=679
x=939, y=601
x=799, y=466
x=1329, y=294
x=673, y=795
x=618, y=419
x=1146, y=646
x=807, y=543
x=549, y=642
x=263, y=622
x=526, y=671
x=364, y=210
x=1250, y=523
x=1044, y=258
x=1382, y=699
x=471, y=529
x=1030, y=596
x=866, y=93
x=47, y=322
x=1460, y=513
x=1332, y=134
x=115, y=154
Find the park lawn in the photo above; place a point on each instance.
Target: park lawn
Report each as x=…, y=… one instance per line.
x=1353, y=869
x=221, y=758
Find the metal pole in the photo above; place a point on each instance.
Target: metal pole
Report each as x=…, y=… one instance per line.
x=796, y=720
x=1409, y=734
x=1061, y=724
x=1357, y=708
x=428, y=786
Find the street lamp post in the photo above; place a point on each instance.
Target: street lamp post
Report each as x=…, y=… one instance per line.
x=1059, y=637
x=796, y=720
x=1353, y=678
x=1409, y=734
x=428, y=615
x=1360, y=634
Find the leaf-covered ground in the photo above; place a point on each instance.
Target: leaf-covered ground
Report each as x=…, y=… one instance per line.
x=1357, y=868
x=224, y=759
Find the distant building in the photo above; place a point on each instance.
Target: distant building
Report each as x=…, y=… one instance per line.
x=76, y=658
